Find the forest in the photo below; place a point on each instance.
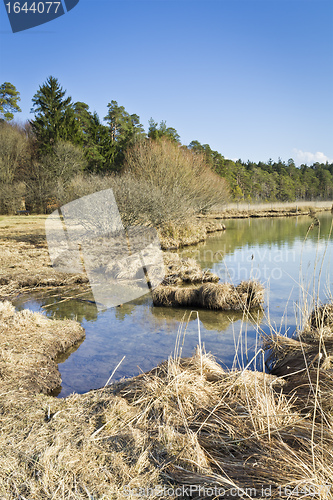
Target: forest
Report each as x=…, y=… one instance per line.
x=66, y=150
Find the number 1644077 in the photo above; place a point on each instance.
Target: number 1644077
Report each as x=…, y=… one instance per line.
x=35, y=7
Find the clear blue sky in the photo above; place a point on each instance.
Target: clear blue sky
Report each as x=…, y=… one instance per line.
x=253, y=79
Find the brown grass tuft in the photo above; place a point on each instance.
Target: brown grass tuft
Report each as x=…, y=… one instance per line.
x=306, y=363
x=218, y=296
x=321, y=317
x=29, y=344
x=184, y=270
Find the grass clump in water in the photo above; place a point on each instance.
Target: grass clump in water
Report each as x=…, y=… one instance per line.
x=217, y=296
x=184, y=270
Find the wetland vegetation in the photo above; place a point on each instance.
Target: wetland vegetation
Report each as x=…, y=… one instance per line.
x=187, y=423
x=164, y=402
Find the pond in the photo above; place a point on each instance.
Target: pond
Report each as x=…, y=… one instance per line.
x=291, y=256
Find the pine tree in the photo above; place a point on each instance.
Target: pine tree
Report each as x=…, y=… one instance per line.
x=99, y=149
x=124, y=130
x=163, y=131
x=9, y=97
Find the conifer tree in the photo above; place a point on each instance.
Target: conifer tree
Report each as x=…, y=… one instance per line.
x=9, y=98
x=124, y=130
x=54, y=116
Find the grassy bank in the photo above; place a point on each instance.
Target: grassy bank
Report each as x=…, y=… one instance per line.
x=195, y=230
x=186, y=429
x=24, y=259
x=25, y=263
x=29, y=344
x=274, y=209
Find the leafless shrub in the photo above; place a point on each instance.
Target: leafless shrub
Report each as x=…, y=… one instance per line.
x=48, y=178
x=13, y=154
x=176, y=183
x=160, y=182
x=11, y=197
x=13, y=151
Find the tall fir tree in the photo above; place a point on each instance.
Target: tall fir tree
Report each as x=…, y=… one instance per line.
x=54, y=116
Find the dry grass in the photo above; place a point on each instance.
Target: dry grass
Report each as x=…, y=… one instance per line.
x=24, y=259
x=287, y=205
x=306, y=363
x=274, y=209
x=29, y=344
x=217, y=296
x=185, y=423
x=184, y=270
x=321, y=317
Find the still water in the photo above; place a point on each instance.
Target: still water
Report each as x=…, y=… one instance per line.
x=292, y=261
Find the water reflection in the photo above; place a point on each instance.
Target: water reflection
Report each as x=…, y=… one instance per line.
x=61, y=304
x=263, y=233
x=146, y=335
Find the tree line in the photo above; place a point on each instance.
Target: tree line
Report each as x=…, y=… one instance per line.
x=40, y=160
x=270, y=181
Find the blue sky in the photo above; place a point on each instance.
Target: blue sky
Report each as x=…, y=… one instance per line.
x=253, y=79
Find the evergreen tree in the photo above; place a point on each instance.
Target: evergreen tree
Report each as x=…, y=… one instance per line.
x=9, y=98
x=54, y=116
x=155, y=132
x=99, y=149
x=124, y=130
x=83, y=117
x=213, y=158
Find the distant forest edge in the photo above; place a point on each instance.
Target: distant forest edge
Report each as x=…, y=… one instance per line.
x=49, y=159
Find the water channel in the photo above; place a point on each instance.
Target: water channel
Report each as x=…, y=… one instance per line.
x=291, y=256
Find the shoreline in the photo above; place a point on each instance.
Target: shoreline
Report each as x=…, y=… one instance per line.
x=25, y=264
x=244, y=211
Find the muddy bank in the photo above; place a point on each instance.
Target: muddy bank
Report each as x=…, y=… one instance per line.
x=186, y=423
x=29, y=344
